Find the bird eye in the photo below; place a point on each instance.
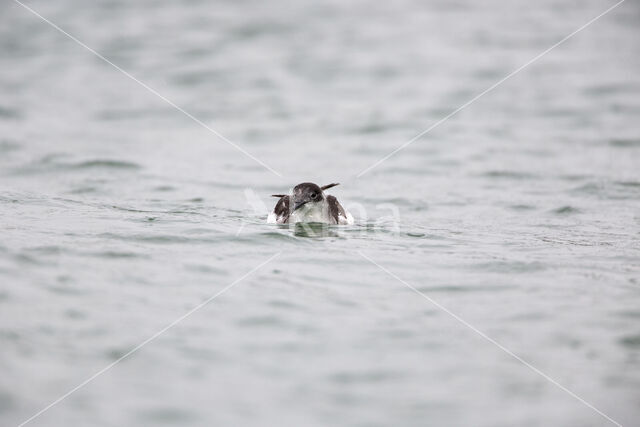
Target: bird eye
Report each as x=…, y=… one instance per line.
x=314, y=195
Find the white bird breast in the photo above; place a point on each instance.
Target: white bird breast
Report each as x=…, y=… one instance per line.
x=311, y=212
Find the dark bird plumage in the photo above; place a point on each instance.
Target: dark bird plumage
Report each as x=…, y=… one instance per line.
x=309, y=203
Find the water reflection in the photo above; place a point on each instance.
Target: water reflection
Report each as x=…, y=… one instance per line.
x=314, y=230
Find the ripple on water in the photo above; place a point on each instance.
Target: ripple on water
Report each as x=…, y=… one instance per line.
x=462, y=288
x=9, y=113
x=631, y=341
x=52, y=163
x=270, y=235
x=261, y=321
x=572, y=242
x=611, y=190
x=522, y=207
x=164, y=188
x=174, y=416
x=574, y=177
x=84, y=190
x=46, y=250
x=398, y=201
x=193, y=78
x=284, y=304
x=205, y=268
x=24, y=258
x=625, y=143
x=7, y=401
x=588, y=188
x=510, y=266
x=75, y=314
x=632, y=314
x=366, y=377
x=415, y=234
x=65, y=287
x=629, y=184
x=566, y=210
x=108, y=115
x=7, y=146
x=105, y=164
x=505, y=174
x=151, y=238
x=117, y=255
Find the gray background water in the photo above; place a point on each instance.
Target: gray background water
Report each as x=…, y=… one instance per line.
x=118, y=214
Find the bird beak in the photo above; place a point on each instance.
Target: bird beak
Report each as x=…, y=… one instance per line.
x=298, y=205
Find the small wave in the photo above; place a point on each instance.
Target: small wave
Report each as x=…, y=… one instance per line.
x=370, y=128
x=625, y=143
x=109, y=164
x=573, y=242
x=164, y=188
x=117, y=254
x=6, y=146
x=256, y=30
x=631, y=314
x=75, y=314
x=284, y=237
x=83, y=190
x=632, y=184
x=204, y=268
x=130, y=114
x=566, y=210
x=284, y=304
x=65, y=289
x=53, y=163
x=509, y=174
x=462, y=288
x=260, y=321
x=398, y=201
x=574, y=177
x=374, y=376
x=46, y=250
x=632, y=341
x=509, y=267
x=589, y=188
x=522, y=207
x=165, y=415
x=613, y=190
x=9, y=113
x=192, y=78
x=415, y=234
x=143, y=238
x=600, y=89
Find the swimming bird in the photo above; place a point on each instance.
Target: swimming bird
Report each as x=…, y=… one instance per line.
x=308, y=203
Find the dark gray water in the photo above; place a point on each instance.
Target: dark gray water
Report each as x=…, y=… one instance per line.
x=520, y=214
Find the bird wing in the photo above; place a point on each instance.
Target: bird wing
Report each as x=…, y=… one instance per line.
x=335, y=209
x=281, y=210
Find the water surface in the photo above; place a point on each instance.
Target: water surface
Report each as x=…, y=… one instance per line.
x=118, y=214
